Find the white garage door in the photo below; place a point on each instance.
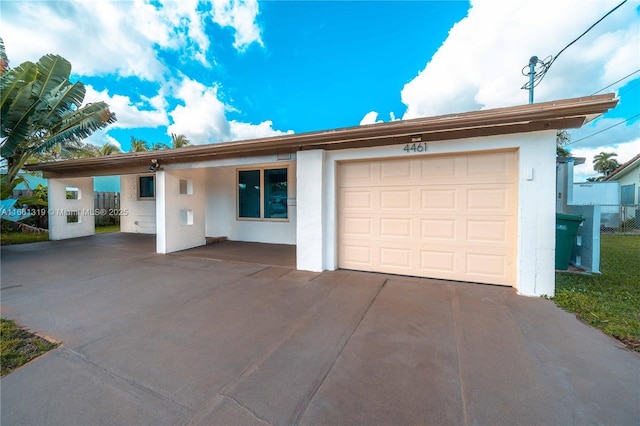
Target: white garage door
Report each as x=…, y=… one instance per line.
x=449, y=217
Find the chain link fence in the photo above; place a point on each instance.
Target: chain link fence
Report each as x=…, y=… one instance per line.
x=620, y=219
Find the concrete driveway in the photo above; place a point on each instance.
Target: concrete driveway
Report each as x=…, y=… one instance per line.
x=182, y=339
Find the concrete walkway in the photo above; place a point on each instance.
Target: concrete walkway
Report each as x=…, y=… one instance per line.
x=181, y=339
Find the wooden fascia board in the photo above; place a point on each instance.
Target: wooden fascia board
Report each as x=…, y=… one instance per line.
x=551, y=115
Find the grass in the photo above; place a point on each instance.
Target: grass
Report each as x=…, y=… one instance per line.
x=18, y=346
x=610, y=301
x=108, y=228
x=7, y=238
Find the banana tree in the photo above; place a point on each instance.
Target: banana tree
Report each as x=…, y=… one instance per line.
x=41, y=109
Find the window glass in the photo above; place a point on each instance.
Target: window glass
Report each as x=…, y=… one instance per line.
x=627, y=194
x=147, y=187
x=275, y=194
x=249, y=193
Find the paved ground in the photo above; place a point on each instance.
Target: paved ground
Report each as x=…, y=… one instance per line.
x=183, y=339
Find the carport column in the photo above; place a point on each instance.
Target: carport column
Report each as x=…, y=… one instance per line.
x=310, y=206
x=71, y=207
x=161, y=212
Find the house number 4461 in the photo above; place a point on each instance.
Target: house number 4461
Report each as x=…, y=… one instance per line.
x=415, y=147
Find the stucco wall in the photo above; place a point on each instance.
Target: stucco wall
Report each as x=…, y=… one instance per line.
x=631, y=176
x=60, y=206
x=180, y=216
x=536, y=202
x=221, y=207
x=140, y=216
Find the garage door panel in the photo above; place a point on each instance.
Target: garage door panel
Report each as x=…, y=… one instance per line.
x=395, y=257
x=392, y=171
x=358, y=255
x=488, y=231
x=434, y=262
x=356, y=199
x=438, y=199
x=357, y=174
x=495, y=166
x=449, y=217
x=357, y=227
x=490, y=265
x=488, y=199
x=396, y=228
x=438, y=229
x=396, y=199
x=439, y=168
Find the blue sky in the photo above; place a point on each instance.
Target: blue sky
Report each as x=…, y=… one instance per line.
x=231, y=70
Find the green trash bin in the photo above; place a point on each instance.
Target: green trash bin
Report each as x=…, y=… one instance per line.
x=566, y=231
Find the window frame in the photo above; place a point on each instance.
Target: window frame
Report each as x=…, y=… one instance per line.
x=140, y=197
x=261, y=169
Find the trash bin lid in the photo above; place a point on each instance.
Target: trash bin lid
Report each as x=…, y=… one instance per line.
x=572, y=217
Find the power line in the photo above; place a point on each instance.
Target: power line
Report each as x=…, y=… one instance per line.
x=588, y=29
x=628, y=88
x=604, y=130
x=546, y=64
x=615, y=82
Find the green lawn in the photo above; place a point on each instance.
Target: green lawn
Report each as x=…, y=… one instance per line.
x=18, y=346
x=7, y=238
x=110, y=228
x=610, y=301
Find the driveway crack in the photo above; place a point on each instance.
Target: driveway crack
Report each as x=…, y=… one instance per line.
x=458, y=336
x=304, y=406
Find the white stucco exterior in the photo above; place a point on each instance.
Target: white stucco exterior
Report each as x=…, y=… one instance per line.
x=139, y=216
x=222, y=209
x=61, y=209
x=536, y=202
x=180, y=215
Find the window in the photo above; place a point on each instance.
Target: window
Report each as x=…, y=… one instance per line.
x=262, y=194
x=627, y=194
x=73, y=216
x=72, y=193
x=186, y=187
x=147, y=187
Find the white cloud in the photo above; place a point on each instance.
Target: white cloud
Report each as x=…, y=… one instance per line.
x=479, y=65
x=604, y=132
x=241, y=16
x=245, y=131
x=201, y=117
x=121, y=37
x=625, y=151
x=370, y=118
x=130, y=116
x=101, y=138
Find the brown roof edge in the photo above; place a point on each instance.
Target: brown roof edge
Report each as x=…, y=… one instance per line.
x=623, y=167
x=560, y=114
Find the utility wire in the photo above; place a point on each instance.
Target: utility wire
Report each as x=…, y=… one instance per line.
x=615, y=82
x=604, y=130
x=588, y=29
x=546, y=64
x=628, y=88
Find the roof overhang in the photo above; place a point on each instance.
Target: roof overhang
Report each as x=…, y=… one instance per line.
x=624, y=169
x=555, y=115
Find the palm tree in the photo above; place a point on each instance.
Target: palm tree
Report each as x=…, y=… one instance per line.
x=108, y=149
x=138, y=145
x=605, y=163
x=179, y=141
x=159, y=146
x=41, y=109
